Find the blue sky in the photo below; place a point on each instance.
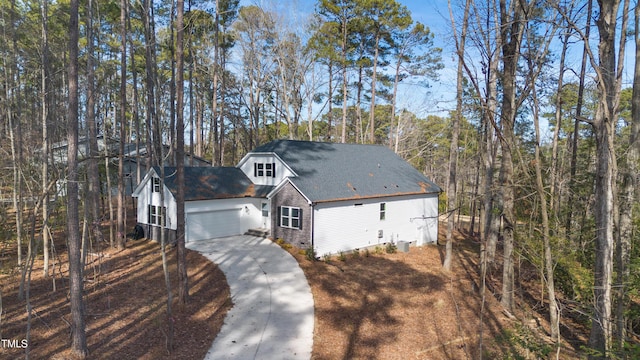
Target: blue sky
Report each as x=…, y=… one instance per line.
x=438, y=99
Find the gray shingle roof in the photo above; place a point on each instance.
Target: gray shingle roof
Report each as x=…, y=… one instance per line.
x=204, y=183
x=331, y=172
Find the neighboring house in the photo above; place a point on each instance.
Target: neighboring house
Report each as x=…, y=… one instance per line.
x=136, y=159
x=60, y=149
x=332, y=197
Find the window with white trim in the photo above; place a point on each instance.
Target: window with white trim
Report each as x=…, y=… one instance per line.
x=290, y=217
x=155, y=184
x=157, y=215
x=264, y=169
x=383, y=211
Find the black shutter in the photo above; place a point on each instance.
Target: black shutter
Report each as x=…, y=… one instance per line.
x=255, y=169
x=300, y=219
x=279, y=212
x=273, y=169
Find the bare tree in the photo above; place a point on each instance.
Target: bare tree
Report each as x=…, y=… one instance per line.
x=121, y=213
x=578, y=115
x=44, y=72
x=609, y=82
x=554, y=311
x=512, y=24
x=217, y=152
x=154, y=140
x=93, y=194
x=78, y=336
x=453, y=148
x=628, y=199
x=608, y=67
x=183, y=280
x=11, y=95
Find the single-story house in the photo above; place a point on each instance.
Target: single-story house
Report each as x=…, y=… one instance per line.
x=332, y=197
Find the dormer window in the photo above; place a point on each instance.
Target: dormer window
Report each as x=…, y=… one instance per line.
x=155, y=184
x=264, y=169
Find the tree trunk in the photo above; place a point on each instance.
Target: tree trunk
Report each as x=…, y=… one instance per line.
x=553, y=196
x=345, y=81
x=93, y=194
x=554, y=311
x=453, y=148
x=604, y=126
x=222, y=109
x=165, y=265
x=628, y=199
x=78, y=336
x=172, y=90
x=511, y=31
x=359, y=129
x=45, y=136
x=15, y=133
x=330, y=100
x=183, y=284
x=214, y=97
x=154, y=138
x=374, y=76
x=107, y=195
x=136, y=103
x=576, y=128
x=490, y=229
x=121, y=212
x=394, y=138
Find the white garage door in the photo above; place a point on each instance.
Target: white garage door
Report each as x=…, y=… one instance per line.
x=213, y=224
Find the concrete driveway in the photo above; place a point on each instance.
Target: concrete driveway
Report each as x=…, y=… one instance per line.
x=272, y=315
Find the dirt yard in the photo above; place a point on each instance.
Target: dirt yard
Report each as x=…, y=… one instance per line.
x=395, y=306
x=125, y=307
x=371, y=306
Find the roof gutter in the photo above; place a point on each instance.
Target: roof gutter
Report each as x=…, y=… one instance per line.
x=377, y=196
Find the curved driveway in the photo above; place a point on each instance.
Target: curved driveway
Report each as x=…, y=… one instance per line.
x=272, y=314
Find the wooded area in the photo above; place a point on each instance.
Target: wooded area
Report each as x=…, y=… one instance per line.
x=86, y=82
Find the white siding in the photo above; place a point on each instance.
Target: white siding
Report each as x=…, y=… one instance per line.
x=344, y=226
x=146, y=197
x=281, y=170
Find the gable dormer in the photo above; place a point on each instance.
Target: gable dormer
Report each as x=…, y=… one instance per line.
x=265, y=168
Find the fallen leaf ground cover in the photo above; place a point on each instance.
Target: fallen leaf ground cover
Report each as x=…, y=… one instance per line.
x=373, y=305
x=378, y=305
x=125, y=299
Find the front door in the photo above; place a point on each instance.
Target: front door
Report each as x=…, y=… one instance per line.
x=265, y=215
